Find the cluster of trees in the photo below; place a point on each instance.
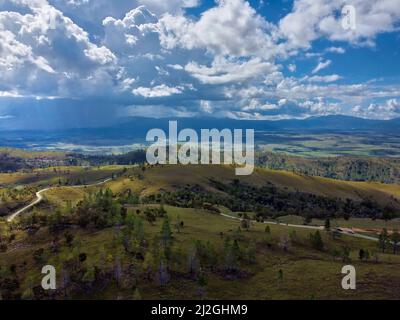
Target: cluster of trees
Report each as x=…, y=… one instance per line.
x=96, y=211
x=386, y=170
x=129, y=158
x=133, y=258
x=9, y=283
x=269, y=201
x=6, y=237
x=12, y=198
x=316, y=240
x=387, y=240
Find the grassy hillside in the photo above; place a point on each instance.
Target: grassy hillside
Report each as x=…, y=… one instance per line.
x=18, y=188
x=70, y=175
x=113, y=246
x=307, y=273
x=160, y=179
x=154, y=179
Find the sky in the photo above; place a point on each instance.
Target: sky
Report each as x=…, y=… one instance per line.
x=92, y=63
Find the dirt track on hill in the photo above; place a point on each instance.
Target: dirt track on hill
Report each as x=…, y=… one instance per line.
x=39, y=198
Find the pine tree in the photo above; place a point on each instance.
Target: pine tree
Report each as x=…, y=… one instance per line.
x=166, y=236
x=395, y=240
x=163, y=275
x=193, y=261
x=316, y=241
x=327, y=224
x=383, y=240
x=361, y=254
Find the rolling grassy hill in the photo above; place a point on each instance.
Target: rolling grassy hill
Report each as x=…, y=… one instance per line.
x=307, y=273
x=154, y=179
x=18, y=188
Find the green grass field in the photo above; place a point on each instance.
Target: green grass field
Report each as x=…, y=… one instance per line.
x=307, y=273
x=52, y=176
x=172, y=177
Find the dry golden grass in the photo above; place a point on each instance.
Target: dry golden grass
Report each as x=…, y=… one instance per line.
x=307, y=273
x=171, y=177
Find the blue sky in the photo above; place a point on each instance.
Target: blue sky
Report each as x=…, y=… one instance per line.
x=84, y=63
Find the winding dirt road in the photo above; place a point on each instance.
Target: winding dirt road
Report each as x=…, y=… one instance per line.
x=39, y=198
x=355, y=235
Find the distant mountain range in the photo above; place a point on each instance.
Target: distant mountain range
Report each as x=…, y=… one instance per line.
x=133, y=130
x=332, y=123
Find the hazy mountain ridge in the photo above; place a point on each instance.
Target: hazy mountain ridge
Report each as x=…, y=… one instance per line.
x=332, y=122
x=308, y=137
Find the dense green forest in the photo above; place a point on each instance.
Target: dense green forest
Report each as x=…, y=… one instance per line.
x=386, y=170
x=271, y=202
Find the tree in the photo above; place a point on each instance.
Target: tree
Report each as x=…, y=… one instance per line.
x=150, y=217
x=117, y=270
x=162, y=274
x=202, y=282
x=293, y=236
x=383, y=240
x=366, y=255
x=211, y=255
x=139, y=233
x=166, y=233
x=179, y=224
x=28, y=293
x=335, y=253
x=232, y=251
x=250, y=254
x=327, y=224
x=38, y=255
x=395, y=240
x=89, y=277
x=284, y=243
x=245, y=223
x=130, y=221
x=137, y=295
x=64, y=281
x=345, y=254
x=69, y=238
x=166, y=237
x=82, y=257
x=307, y=219
x=193, y=261
x=361, y=254
x=148, y=265
x=316, y=240
x=161, y=211
x=280, y=275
